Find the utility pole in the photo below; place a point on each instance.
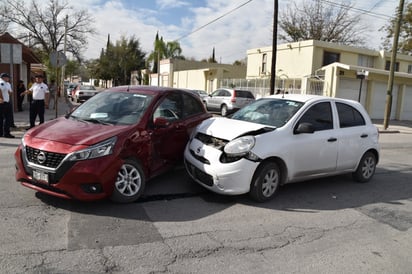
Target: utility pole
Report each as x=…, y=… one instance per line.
x=64, y=52
x=392, y=65
x=274, y=48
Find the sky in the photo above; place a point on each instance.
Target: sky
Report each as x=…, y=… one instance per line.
x=230, y=26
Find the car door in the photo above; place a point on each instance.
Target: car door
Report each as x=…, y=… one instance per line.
x=315, y=153
x=213, y=102
x=354, y=136
x=169, y=139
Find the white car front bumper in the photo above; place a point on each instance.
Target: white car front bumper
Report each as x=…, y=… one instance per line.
x=203, y=164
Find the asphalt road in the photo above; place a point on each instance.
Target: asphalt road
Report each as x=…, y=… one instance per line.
x=330, y=225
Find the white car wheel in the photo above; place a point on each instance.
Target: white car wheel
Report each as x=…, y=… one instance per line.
x=265, y=182
x=223, y=111
x=130, y=183
x=366, y=168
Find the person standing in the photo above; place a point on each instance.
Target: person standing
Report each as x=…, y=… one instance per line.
x=6, y=110
x=52, y=94
x=21, y=88
x=40, y=94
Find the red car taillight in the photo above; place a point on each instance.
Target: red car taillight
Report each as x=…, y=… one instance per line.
x=233, y=99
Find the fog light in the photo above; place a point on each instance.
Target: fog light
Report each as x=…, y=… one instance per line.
x=92, y=188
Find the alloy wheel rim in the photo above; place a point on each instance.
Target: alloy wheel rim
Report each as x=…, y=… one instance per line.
x=270, y=183
x=128, y=181
x=368, y=167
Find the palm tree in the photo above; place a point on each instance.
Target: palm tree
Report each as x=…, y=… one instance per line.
x=173, y=50
x=164, y=50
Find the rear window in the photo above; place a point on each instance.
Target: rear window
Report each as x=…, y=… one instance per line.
x=244, y=94
x=349, y=116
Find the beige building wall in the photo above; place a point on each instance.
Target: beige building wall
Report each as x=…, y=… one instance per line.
x=195, y=75
x=304, y=62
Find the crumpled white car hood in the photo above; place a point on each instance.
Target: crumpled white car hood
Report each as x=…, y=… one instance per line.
x=227, y=129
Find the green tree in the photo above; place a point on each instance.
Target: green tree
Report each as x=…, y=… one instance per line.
x=173, y=50
x=157, y=54
x=405, y=32
x=164, y=50
x=315, y=19
x=72, y=68
x=119, y=60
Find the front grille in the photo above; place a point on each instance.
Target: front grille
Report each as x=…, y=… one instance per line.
x=211, y=141
x=199, y=175
x=52, y=160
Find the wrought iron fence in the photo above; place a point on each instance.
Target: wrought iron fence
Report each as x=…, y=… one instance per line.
x=261, y=87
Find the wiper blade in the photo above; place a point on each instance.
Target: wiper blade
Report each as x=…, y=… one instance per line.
x=90, y=120
x=77, y=118
x=96, y=121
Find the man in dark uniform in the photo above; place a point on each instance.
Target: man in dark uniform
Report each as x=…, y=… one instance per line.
x=6, y=110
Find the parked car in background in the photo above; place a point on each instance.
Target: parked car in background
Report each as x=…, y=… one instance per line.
x=282, y=139
x=69, y=88
x=227, y=101
x=202, y=94
x=82, y=93
x=110, y=145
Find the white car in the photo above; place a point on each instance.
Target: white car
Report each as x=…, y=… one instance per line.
x=82, y=93
x=282, y=139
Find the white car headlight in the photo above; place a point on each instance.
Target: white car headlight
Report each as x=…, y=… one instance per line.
x=99, y=150
x=240, y=146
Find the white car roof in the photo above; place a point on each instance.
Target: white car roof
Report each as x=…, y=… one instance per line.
x=309, y=97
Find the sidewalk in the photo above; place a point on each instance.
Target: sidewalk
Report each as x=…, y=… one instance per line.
x=394, y=126
x=21, y=119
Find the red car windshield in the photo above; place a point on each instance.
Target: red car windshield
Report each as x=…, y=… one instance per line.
x=117, y=108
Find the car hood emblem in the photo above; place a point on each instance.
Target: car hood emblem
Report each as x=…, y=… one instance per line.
x=41, y=157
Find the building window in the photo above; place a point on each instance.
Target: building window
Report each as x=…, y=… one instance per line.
x=264, y=62
x=365, y=61
x=409, y=68
x=388, y=65
x=330, y=57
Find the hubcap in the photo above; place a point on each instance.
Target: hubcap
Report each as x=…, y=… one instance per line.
x=128, y=181
x=270, y=183
x=368, y=167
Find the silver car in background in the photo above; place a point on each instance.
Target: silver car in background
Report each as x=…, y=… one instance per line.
x=227, y=100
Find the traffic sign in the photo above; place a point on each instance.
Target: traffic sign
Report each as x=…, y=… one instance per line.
x=58, y=59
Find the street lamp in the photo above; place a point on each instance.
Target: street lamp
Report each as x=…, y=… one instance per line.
x=361, y=74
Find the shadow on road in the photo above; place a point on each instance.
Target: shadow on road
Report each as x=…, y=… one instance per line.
x=334, y=193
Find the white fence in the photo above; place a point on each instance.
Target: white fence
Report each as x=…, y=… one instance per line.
x=261, y=87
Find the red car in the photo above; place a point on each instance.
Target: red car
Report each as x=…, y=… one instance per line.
x=110, y=145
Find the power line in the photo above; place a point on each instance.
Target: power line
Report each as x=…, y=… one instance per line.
x=363, y=11
x=218, y=18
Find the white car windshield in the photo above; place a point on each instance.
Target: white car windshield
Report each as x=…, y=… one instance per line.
x=117, y=108
x=268, y=111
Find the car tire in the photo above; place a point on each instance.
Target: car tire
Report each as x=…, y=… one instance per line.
x=130, y=182
x=223, y=110
x=265, y=182
x=366, y=168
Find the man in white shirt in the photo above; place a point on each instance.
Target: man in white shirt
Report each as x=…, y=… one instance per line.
x=40, y=95
x=6, y=110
